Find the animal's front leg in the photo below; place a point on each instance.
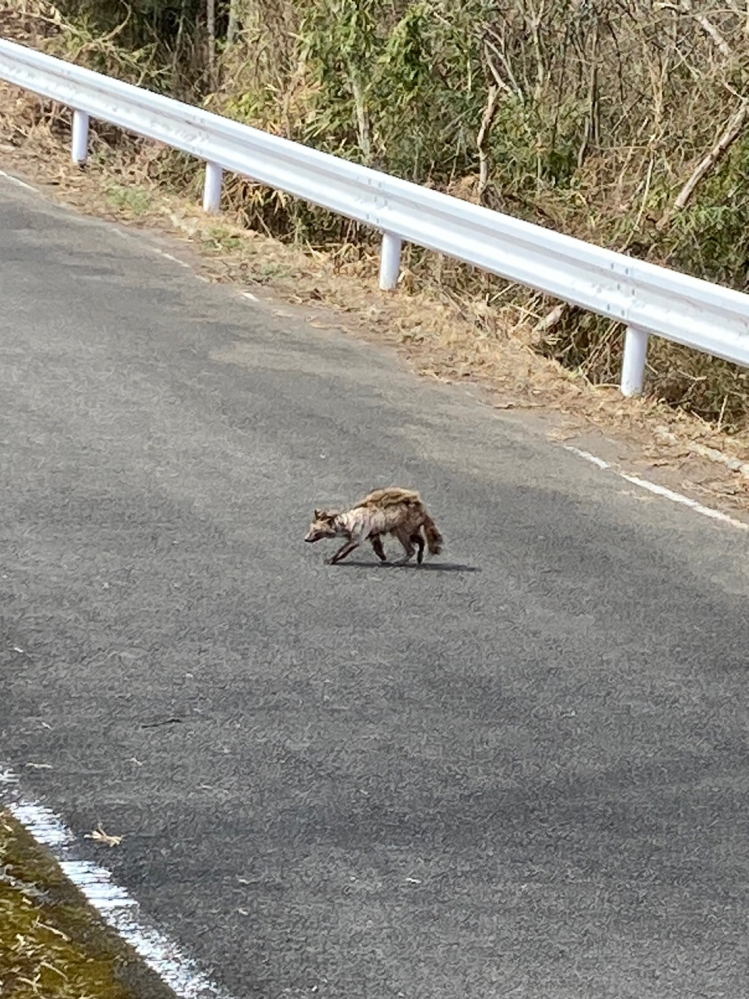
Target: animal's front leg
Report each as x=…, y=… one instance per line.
x=344, y=551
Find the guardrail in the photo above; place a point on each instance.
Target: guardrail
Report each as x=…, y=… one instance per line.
x=646, y=298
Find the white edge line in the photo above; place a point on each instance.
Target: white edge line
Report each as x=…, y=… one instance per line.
x=17, y=181
x=113, y=903
x=587, y=455
x=248, y=294
x=170, y=256
x=652, y=487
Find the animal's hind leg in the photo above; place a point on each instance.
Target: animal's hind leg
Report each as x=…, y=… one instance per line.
x=405, y=539
x=417, y=538
x=378, y=549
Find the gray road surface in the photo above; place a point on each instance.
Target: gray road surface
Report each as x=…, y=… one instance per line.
x=520, y=771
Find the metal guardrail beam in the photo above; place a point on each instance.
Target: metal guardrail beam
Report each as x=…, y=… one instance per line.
x=646, y=298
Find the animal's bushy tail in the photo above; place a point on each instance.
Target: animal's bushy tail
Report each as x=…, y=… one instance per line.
x=434, y=538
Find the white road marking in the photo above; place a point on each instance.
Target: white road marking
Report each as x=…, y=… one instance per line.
x=17, y=182
x=252, y=298
x=652, y=487
x=150, y=247
x=170, y=256
x=116, y=907
x=587, y=455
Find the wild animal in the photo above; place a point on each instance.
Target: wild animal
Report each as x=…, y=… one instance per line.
x=396, y=511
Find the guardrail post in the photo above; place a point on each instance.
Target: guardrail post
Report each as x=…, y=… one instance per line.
x=79, y=140
x=390, y=261
x=212, y=187
x=633, y=365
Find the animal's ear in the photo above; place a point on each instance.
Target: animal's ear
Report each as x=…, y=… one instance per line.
x=317, y=514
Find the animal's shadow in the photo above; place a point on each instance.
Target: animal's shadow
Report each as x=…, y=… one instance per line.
x=424, y=567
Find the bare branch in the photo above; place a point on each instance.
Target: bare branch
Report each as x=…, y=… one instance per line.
x=730, y=135
x=486, y=123
x=553, y=318
x=493, y=69
x=686, y=7
x=496, y=44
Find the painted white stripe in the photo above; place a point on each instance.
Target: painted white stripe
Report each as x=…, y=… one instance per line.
x=652, y=487
x=116, y=907
x=17, y=181
x=587, y=455
x=169, y=256
x=248, y=294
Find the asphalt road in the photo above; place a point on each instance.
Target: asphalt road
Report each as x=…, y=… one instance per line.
x=521, y=770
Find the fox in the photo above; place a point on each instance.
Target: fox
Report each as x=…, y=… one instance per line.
x=396, y=511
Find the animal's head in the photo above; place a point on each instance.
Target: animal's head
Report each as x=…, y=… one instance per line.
x=323, y=525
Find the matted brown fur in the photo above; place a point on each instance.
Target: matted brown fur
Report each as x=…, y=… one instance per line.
x=391, y=496
x=396, y=511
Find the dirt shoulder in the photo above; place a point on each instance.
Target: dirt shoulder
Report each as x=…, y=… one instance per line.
x=437, y=336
